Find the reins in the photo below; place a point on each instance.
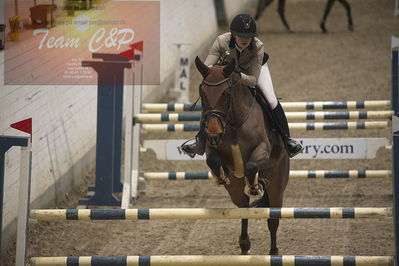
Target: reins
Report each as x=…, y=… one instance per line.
x=228, y=116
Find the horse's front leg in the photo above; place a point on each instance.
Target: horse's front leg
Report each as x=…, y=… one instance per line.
x=252, y=186
x=258, y=157
x=213, y=162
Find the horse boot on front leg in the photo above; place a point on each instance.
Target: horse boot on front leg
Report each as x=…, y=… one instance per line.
x=252, y=186
x=292, y=146
x=217, y=170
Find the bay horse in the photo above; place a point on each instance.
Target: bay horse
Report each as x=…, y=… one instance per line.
x=263, y=4
x=242, y=151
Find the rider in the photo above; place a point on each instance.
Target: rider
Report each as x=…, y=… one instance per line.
x=241, y=43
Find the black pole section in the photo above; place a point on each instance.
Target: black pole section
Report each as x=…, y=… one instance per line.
x=6, y=142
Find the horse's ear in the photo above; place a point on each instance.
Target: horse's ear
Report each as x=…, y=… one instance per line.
x=227, y=70
x=202, y=68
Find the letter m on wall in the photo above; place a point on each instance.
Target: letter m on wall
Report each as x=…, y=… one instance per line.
x=183, y=61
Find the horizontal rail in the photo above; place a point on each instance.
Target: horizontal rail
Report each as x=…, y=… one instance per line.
x=293, y=126
x=293, y=174
x=208, y=213
x=221, y=260
x=291, y=116
x=288, y=106
x=387, y=114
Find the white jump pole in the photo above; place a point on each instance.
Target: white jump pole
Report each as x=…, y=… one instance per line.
x=23, y=204
x=137, y=100
x=127, y=180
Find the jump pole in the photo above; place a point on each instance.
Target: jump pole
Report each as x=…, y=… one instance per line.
x=293, y=126
x=127, y=176
x=210, y=213
x=311, y=174
x=220, y=260
x=23, y=204
x=291, y=116
x=288, y=106
x=132, y=146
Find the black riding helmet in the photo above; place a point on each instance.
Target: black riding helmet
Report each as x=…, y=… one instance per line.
x=243, y=25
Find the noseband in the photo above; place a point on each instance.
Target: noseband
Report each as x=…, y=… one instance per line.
x=225, y=118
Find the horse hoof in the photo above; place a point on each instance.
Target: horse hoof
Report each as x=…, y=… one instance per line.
x=247, y=252
x=273, y=251
x=219, y=183
x=323, y=28
x=350, y=27
x=254, y=192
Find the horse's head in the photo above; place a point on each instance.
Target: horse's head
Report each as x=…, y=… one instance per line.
x=216, y=97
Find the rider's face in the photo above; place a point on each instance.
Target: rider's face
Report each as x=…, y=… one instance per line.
x=243, y=42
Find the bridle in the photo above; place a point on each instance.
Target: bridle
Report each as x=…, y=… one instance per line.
x=225, y=118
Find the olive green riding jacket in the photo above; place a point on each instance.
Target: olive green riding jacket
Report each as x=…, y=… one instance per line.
x=248, y=60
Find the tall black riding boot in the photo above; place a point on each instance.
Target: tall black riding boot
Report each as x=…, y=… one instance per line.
x=198, y=147
x=292, y=146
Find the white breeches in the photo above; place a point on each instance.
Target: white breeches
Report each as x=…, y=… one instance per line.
x=266, y=85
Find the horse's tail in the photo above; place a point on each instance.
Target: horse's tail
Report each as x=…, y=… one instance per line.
x=263, y=202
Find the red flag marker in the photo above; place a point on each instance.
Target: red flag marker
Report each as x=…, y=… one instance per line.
x=24, y=126
x=129, y=54
x=138, y=46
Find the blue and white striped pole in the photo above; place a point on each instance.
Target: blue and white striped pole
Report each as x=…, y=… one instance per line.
x=221, y=260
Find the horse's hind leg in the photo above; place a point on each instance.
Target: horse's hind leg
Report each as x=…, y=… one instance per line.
x=244, y=242
x=281, y=12
x=327, y=10
x=348, y=13
x=262, y=5
x=278, y=179
x=236, y=192
x=272, y=224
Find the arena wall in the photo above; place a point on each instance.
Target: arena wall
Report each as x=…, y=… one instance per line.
x=233, y=7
